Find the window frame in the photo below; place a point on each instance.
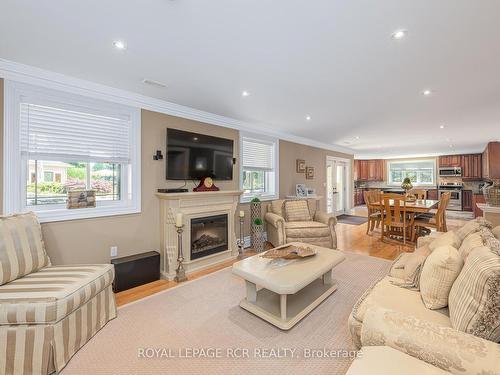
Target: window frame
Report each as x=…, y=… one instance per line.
x=271, y=177
x=434, y=172
x=16, y=164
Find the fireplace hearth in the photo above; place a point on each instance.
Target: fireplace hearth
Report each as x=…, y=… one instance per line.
x=209, y=235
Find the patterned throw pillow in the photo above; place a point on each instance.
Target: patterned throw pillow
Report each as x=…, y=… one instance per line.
x=439, y=272
x=496, y=232
x=490, y=241
x=475, y=296
x=297, y=210
x=470, y=242
x=472, y=226
x=21, y=246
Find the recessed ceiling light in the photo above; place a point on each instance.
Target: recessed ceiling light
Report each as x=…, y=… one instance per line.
x=245, y=93
x=119, y=44
x=441, y=127
x=399, y=34
x=195, y=138
x=357, y=137
x=426, y=92
x=451, y=146
x=152, y=82
x=308, y=118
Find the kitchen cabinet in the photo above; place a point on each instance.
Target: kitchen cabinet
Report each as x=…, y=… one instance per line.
x=358, y=197
x=450, y=161
x=369, y=170
x=477, y=198
x=467, y=204
x=491, y=161
x=472, y=168
x=432, y=194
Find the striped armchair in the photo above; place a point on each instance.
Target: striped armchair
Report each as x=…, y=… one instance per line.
x=47, y=313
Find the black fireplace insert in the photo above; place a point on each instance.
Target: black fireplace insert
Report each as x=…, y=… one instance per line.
x=209, y=235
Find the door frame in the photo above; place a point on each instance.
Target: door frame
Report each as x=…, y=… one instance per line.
x=349, y=183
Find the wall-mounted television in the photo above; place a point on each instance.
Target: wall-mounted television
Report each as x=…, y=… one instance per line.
x=191, y=156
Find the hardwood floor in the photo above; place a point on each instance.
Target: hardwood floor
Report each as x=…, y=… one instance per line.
x=349, y=237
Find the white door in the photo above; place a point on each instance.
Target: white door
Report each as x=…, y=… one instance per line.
x=336, y=186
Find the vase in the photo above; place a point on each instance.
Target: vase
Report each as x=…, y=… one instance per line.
x=492, y=194
x=255, y=213
x=258, y=237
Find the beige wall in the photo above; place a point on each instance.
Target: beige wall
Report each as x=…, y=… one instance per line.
x=314, y=157
x=89, y=240
x=1, y=144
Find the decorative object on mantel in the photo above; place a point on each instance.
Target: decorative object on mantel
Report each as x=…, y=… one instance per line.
x=255, y=213
x=406, y=185
x=206, y=184
x=180, y=273
x=81, y=199
x=158, y=155
x=492, y=194
x=311, y=192
x=258, y=235
x=300, y=190
x=309, y=173
x=300, y=166
x=289, y=252
x=241, y=241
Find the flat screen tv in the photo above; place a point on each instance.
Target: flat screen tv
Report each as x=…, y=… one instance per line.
x=191, y=156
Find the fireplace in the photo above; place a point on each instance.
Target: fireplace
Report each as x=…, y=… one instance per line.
x=209, y=235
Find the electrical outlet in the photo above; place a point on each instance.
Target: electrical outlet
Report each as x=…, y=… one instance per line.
x=114, y=251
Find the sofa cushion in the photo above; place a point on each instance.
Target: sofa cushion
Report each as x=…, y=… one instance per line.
x=21, y=246
x=388, y=361
x=475, y=296
x=302, y=229
x=472, y=241
x=48, y=295
x=449, y=238
x=387, y=295
x=439, y=272
x=471, y=227
x=277, y=207
x=297, y=210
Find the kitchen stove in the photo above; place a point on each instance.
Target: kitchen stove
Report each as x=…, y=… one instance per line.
x=455, y=188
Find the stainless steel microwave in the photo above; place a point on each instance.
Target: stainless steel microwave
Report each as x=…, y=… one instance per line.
x=450, y=172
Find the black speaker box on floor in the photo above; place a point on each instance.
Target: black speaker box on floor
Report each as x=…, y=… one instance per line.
x=136, y=270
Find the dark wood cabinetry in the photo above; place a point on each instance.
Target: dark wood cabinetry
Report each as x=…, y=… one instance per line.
x=472, y=168
x=358, y=197
x=450, y=161
x=432, y=194
x=477, y=198
x=491, y=161
x=467, y=197
x=369, y=170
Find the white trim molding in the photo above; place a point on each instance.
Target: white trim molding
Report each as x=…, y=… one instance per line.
x=28, y=74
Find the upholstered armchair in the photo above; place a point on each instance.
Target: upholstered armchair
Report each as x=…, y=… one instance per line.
x=298, y=220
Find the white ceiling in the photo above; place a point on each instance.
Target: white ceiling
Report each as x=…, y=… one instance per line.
x=332, y=60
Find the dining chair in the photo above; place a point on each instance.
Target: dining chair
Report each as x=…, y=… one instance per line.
x=373, y=205
x=436, y=221
x=419, y=193
x=395, y=220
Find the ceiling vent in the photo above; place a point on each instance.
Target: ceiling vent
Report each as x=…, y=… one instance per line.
x=151, y=82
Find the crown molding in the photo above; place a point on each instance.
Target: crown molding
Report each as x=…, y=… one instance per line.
x=15, y=71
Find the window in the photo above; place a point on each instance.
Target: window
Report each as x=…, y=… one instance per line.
x=59, y=142
x=259, y=167
x=420, y=172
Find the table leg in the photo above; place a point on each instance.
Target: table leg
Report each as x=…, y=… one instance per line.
x=251, y=291
x=327, y=278
x=283, y=306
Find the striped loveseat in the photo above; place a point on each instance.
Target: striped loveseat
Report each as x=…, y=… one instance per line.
x=47, y=313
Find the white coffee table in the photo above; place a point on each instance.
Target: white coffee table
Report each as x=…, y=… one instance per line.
x=283, y=294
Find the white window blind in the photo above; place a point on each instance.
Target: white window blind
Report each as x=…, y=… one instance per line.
x=257, y=154
x=51, y=133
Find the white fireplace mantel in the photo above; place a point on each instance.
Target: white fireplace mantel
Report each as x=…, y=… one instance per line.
x=194, y=205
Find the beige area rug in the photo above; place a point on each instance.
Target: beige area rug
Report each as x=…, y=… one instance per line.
x=204, y=314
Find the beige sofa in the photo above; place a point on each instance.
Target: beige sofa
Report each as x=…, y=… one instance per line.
x=47, y=313
x=396, y=330
x=299, y=221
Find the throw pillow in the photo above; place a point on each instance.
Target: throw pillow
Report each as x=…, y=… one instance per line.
x=447, y=239
x=21, y=246
x=297, y=210
x=475, y=296
x=277, y=207
x=470, y=242
x=472, y=226
x=496, y=232
x=490, y=240
x=439, y=271
x=414, y=264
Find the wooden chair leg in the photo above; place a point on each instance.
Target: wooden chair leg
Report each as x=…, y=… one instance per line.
x=368, y=225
